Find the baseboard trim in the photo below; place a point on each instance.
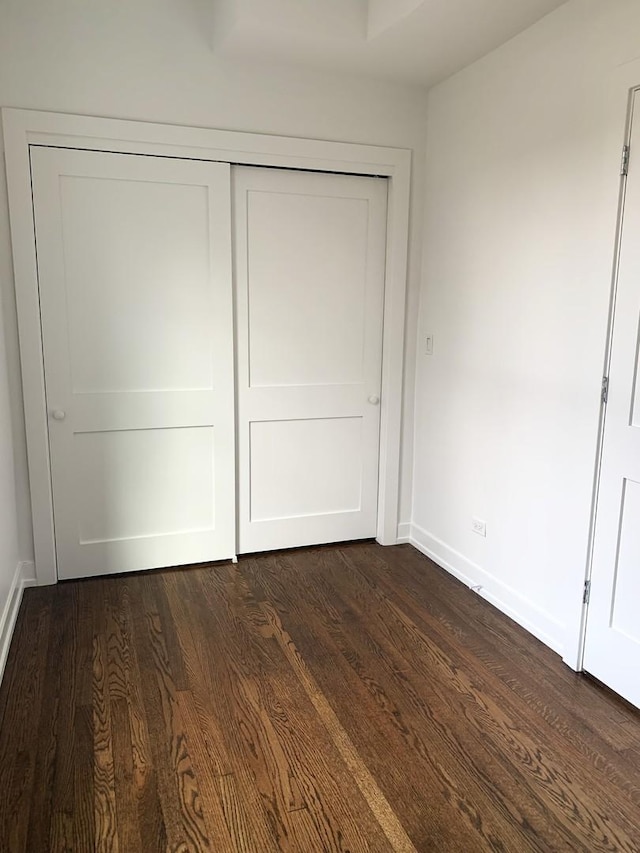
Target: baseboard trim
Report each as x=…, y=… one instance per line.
x=23, y=577
x=543, y=626
x=404, y=532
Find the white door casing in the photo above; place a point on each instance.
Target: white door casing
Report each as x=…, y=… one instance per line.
x=612, y=641
x=134, y=265
x=309, y=266
x=23, y=129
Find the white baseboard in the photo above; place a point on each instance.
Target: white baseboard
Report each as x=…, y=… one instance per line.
x=23, y=577
x=404, y=532
x=543, y=626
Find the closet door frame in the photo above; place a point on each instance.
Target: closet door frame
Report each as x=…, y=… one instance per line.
x=25, y=128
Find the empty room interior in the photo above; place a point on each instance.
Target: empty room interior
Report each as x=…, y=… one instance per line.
x=319, y=348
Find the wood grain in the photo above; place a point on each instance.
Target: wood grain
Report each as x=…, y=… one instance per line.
x=339, y=698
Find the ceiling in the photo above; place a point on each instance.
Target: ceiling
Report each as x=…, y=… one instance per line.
x=412, y=41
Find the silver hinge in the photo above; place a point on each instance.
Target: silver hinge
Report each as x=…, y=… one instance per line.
x=587, y=592
x=605, y=389
x=624, y=167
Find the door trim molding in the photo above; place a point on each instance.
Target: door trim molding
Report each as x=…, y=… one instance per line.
x=24, y=128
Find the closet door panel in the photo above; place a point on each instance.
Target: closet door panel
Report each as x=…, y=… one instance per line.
x=309, y=267
x=307, y=260
x=134, y=265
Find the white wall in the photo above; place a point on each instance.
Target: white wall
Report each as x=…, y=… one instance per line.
x=151, y=60
x=521, y=191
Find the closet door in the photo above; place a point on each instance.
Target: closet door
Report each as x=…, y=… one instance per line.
x=309, y=268
x=134, y=266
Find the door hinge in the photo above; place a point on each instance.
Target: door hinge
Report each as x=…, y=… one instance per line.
x=605, y=390
x=587, y=592
x=624, y=166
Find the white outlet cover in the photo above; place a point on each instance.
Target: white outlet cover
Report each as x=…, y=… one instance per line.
x=478, y=526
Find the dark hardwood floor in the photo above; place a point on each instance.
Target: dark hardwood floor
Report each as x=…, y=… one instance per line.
x=350, y=698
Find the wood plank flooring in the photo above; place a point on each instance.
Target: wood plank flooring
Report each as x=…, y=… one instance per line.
x=344, y=698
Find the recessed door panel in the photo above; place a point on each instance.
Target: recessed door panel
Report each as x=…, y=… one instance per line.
x=134, y=266
x=309, y=269
x=635, y=409
x=626, y=585
x=305, y=467
x=136, y=256
x=307, y=261
x=151, y=482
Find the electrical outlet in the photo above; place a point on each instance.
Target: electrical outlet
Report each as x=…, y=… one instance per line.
x=478, y=526
x=428, y=345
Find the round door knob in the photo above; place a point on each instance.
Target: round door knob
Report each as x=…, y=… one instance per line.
x=374, y=400
x=58, y=415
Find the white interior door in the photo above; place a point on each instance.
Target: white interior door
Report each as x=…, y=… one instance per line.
x=134, y=267
x=309, y=269
x=612, y=651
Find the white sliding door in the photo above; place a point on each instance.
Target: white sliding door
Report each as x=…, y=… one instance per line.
x=309, y=270
x=134, y=265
